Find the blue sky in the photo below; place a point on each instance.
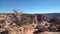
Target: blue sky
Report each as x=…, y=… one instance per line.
x=30, y=6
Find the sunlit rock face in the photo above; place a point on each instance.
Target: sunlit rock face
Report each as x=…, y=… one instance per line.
x=20, y=17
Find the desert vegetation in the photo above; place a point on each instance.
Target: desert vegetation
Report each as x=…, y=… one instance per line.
x=19, y=23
